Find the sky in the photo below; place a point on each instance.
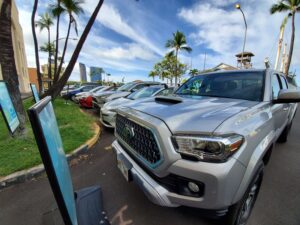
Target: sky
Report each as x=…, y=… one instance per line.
x=129, y=36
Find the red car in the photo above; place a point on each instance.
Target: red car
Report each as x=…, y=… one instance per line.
x=86, y=102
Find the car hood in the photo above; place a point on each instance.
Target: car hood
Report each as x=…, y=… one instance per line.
x=103, y=93
x=86, y=93
x=117, y=103
x=193, y=114
x=118, y=95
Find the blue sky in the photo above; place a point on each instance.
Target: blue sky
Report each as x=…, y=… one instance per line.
x=129, y=36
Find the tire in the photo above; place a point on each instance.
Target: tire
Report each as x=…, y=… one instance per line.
x=285, y=133
x=239, y=213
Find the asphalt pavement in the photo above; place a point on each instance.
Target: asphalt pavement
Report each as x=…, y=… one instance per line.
x=32, y=202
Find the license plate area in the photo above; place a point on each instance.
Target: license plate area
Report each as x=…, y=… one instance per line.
x=124, y=166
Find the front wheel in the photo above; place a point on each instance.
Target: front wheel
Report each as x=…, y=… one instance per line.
x=239, y=213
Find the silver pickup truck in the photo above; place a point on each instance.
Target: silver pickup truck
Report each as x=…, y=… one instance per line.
x=207, y=146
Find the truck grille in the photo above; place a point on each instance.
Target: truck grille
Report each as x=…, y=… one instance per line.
x=139, y=138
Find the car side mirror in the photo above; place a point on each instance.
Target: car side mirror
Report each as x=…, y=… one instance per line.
x=134, y=90
x=288, y=96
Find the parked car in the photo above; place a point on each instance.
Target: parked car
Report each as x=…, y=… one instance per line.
x=108, y=111
x=70, y=95
x=207, y=146
x=87, y=93
x=86, y=101
x=123, y=91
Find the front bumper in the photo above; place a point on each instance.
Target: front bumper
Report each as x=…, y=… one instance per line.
x=221, y=182
x=108, y=118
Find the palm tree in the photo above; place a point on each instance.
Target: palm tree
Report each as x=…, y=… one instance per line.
x=45, y=22
x=178, y=43
x=56, y=10
x=194, y=72
x=7, y=60
x=36, y=47
x=57, y=87
x=49, y=48
x=292, y=7
x=153, y=74
x=72, y=7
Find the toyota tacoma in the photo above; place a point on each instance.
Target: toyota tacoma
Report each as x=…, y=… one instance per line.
x=207, y=145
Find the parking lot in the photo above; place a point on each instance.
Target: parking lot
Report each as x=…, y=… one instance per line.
x=33, y=203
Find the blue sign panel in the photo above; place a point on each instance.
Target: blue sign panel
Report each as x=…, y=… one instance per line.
x=8, y=109
x=35, y=93
x=50, y=145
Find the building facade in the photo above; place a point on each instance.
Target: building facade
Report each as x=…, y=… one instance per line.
x=96, y=74
x=82, y=70
x=32, y=72
x=19, y=50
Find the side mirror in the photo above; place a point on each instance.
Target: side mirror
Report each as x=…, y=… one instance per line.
x=288, y=96
x=134, y=90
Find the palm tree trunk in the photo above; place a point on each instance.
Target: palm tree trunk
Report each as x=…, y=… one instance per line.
x=56, y=88
x=7, y=61
x=291, y=46
x=49, y=56
x=65, y=49
x=56, y=47
x=36, y=47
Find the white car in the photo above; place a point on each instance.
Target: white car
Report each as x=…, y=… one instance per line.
x=108, y=111
x=87, y=93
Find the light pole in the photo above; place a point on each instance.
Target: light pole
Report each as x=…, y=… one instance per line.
x=74, y=39
x=238, y=6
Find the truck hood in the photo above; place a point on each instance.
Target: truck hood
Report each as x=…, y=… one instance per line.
x=193, y=114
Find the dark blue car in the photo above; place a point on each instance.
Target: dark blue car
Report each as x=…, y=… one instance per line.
x=71, y=93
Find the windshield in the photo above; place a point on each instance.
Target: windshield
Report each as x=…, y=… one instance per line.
x=126, y=87
x=144, y=92
x=244, y=85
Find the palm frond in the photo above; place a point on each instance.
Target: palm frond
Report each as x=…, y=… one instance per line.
x=170, y=43
x=186, y=48
x=279, y=7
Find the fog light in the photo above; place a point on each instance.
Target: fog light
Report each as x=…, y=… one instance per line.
x=193, y=187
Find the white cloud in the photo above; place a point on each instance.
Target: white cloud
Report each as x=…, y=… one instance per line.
x=110, y=17
x=222, y=30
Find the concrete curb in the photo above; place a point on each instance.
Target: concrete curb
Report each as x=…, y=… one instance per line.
x=28, y=174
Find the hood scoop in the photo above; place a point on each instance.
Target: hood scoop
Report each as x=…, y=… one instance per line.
x=168, y=99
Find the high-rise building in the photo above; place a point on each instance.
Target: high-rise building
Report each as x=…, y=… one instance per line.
x=19, y=50
x=96, y=74
x=82, y=70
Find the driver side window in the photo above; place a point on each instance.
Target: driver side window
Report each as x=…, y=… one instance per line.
x=275, y=86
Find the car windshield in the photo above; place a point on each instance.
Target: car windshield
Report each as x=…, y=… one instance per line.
x=243, y=85
x=126, y=87
x=144, y=92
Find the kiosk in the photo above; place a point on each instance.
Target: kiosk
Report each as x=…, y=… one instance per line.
x=84, y=207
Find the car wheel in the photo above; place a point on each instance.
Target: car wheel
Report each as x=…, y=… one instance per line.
x=73, y=98
x=285, y=133
x=239, y=213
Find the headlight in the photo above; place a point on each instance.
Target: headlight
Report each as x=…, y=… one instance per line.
x=209, y=149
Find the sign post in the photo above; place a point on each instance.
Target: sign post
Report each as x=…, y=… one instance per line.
x=35, y=93
x=72, y=206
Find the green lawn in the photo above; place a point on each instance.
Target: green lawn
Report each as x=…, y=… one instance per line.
x=22, y=153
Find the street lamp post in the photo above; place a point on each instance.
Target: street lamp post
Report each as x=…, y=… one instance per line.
x=238, y=6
